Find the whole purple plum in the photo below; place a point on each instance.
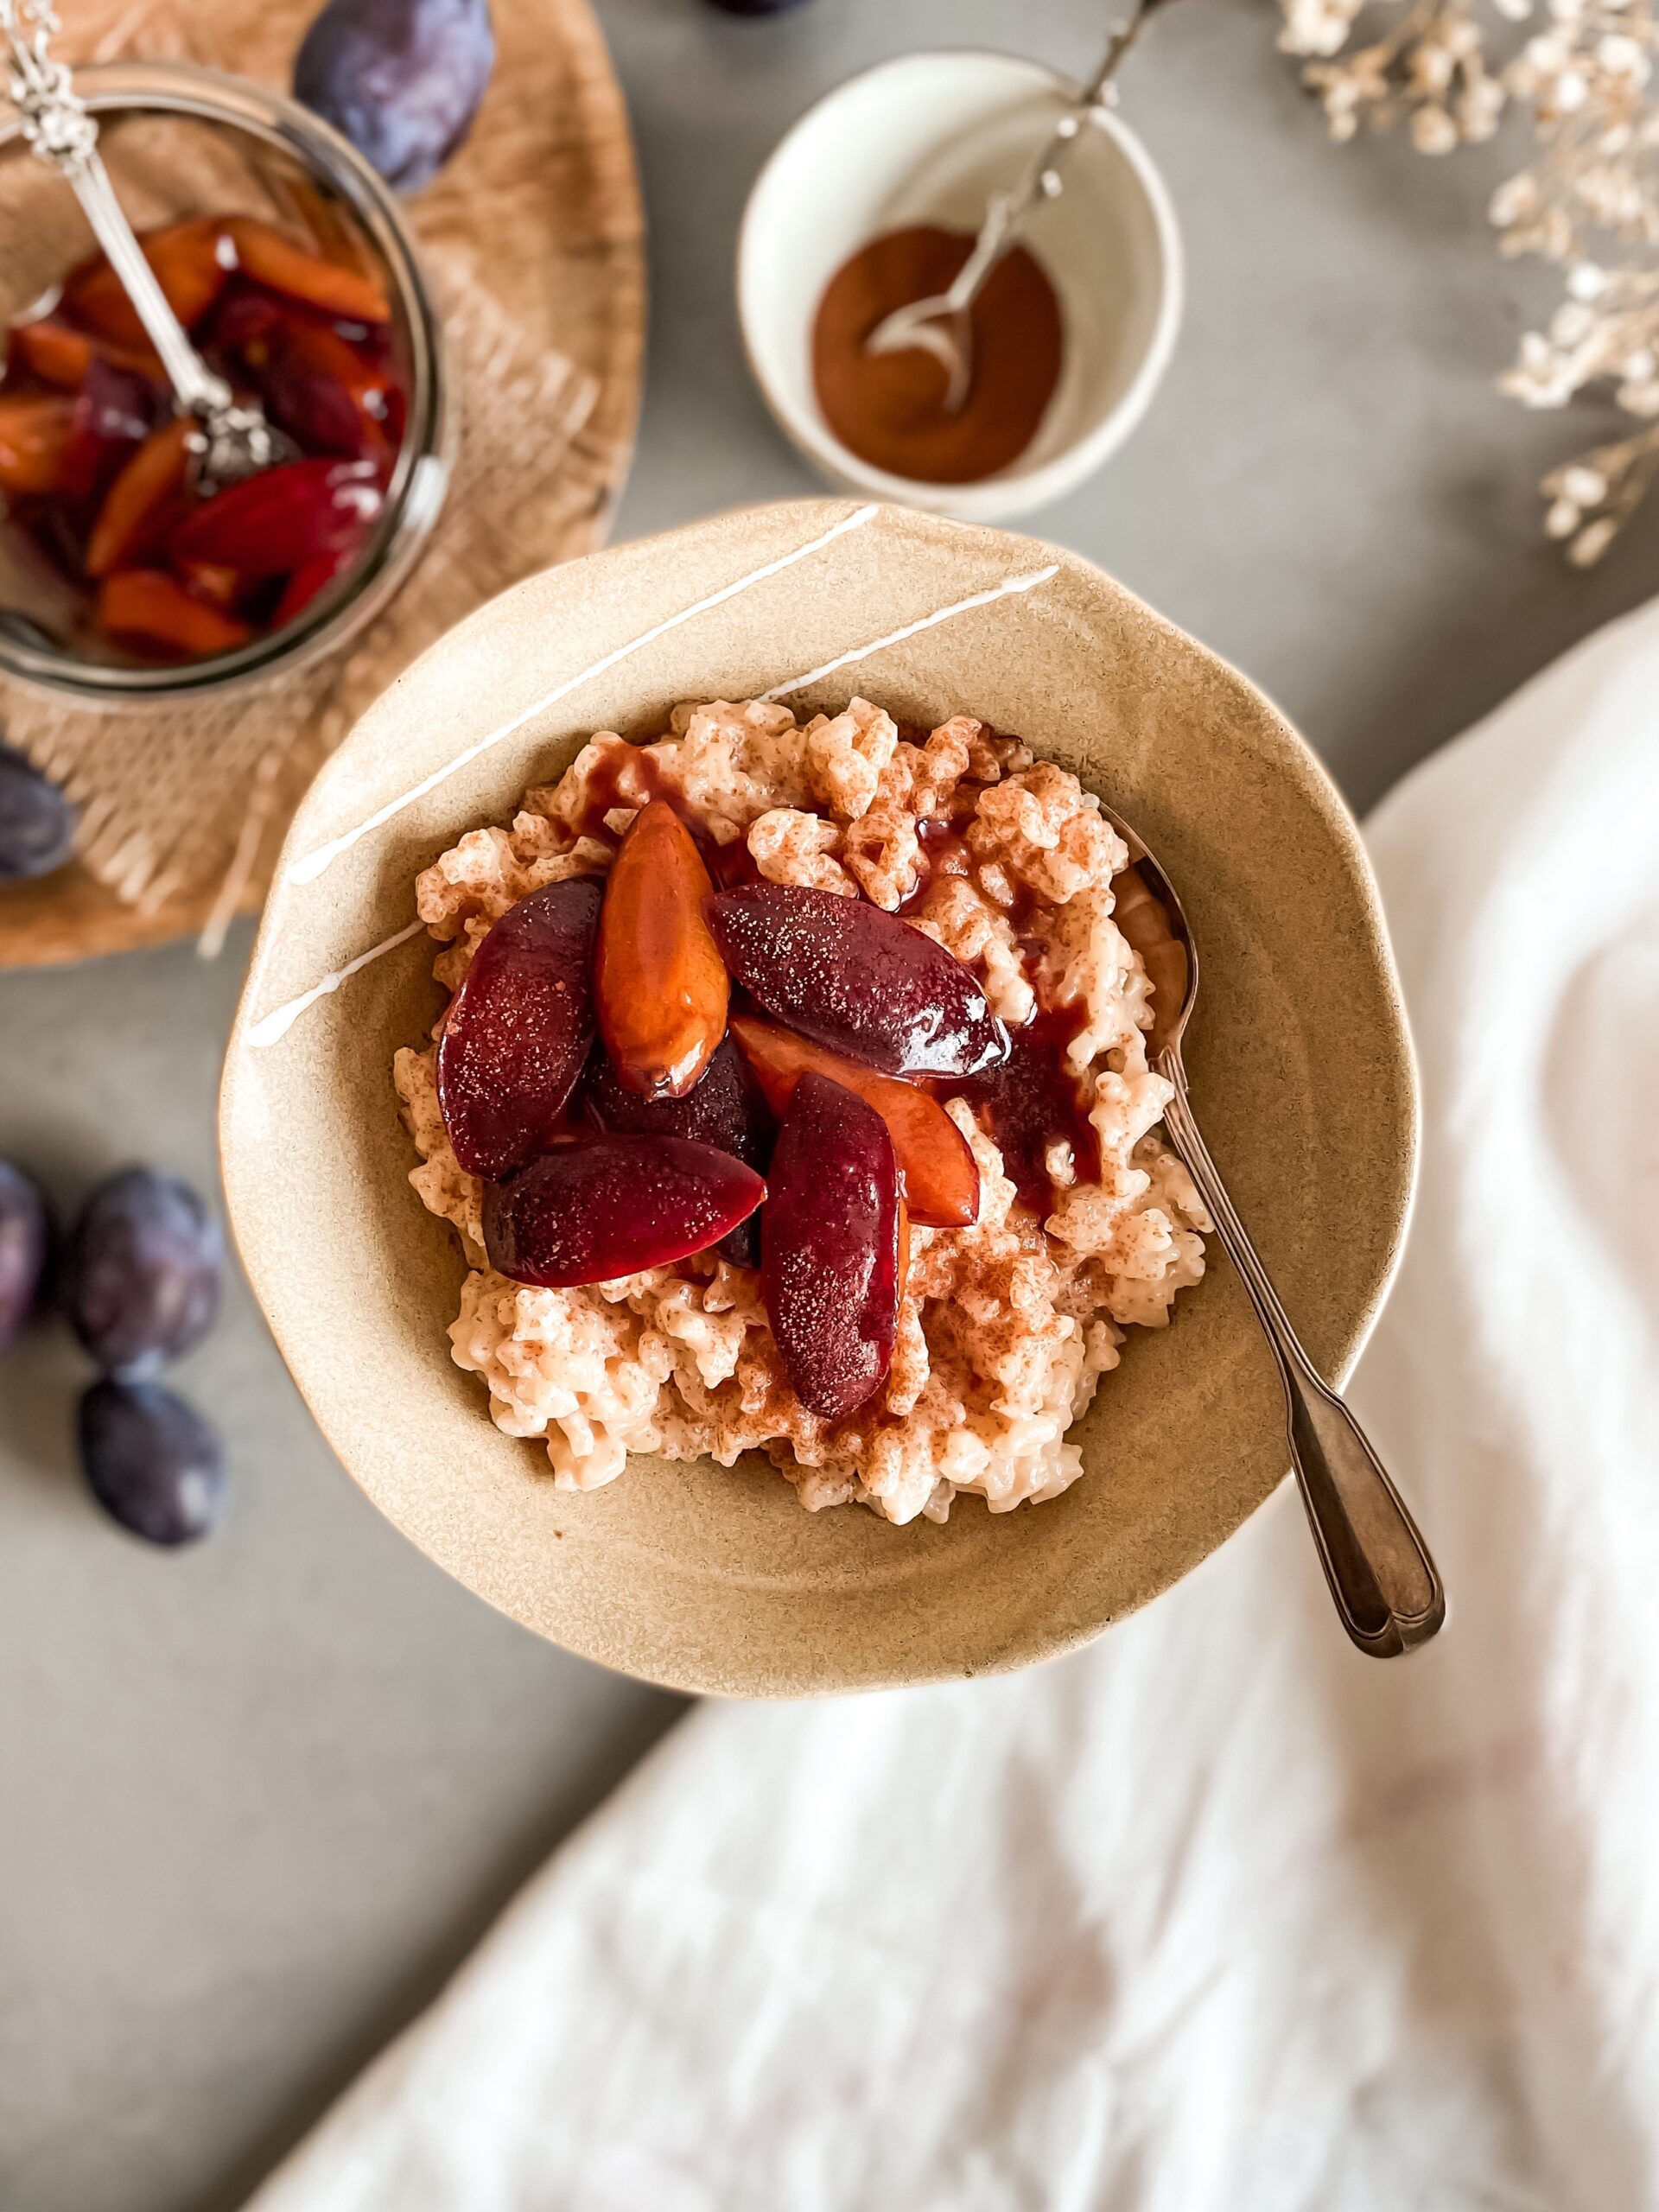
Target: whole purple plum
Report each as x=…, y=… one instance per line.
x=151, y=1461
x=400, y=78
x=143, y=1273
x=25, y=1240
x=37, y=823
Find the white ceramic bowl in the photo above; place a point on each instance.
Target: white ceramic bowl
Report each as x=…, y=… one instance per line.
x=927, y=139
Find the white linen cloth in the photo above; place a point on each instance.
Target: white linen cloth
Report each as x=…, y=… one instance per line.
x=1216, y=1914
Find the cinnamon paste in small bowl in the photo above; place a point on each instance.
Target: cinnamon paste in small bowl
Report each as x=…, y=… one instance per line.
x=889, y=407
x=867, y=206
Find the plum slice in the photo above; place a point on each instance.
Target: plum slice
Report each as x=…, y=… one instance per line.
x=832, y=1247
x=860, y=981
x=145, y=499
x=308, y=581
x=941, y=1182
x=35, y=429
x=150, y=610
x=330, y=396
x=60, y=354
x=519, y=1029
x=192, y=261
x=661, y=984
x=272, y=524
x=115, y=411
x=611, y=1205
x=272, y=260
x=725, y=1109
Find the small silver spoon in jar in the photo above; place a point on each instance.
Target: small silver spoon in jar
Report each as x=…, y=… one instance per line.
x=942, y=323
x=235, y=440
x=1387, y=1588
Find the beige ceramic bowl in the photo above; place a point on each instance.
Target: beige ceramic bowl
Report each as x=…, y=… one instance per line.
x=711, y=1579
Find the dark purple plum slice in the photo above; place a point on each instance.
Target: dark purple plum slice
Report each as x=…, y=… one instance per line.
x=726, y=1109
x=141, y=1281
x=400, y=78
x=858, y=980
x=114, y=412
x=519, y=1029
x=25, y=1242
x=317, y=411
x=605, y=1206
x=832, y=1247
x=151, y=1461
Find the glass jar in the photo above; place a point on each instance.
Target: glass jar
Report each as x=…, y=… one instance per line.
x=180, y=141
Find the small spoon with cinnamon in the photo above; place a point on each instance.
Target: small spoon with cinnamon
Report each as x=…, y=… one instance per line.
x=1387, y=1588
x=941, y=324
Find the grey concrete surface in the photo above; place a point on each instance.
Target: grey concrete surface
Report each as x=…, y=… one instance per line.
x=256, y=1800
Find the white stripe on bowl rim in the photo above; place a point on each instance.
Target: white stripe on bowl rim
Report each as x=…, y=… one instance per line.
x=276, y=1024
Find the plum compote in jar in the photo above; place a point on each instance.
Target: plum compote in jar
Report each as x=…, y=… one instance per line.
x=96, y=465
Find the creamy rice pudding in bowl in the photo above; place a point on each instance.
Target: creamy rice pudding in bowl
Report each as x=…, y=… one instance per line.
x=1073, y=1220
x=750, y=1013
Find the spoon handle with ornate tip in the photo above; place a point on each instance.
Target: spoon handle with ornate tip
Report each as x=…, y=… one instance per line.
x=61, y=132
x=1385, y=1586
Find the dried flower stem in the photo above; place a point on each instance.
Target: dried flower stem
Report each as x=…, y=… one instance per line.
x=1584, y=80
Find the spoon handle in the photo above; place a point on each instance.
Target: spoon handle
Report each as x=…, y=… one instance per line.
x=1385, y=1586
x=1005, y=216
x=198, y=390
x=60, y=131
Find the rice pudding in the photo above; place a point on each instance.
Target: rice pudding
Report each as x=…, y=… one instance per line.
x=1086, y=1225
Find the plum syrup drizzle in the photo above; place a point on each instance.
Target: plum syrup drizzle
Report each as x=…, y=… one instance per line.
x=729, y=865
x=1034, y=1099
x=1031, y=1102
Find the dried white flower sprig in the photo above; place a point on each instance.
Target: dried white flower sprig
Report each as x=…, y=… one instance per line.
x=1427, y=70
x=1585, y=80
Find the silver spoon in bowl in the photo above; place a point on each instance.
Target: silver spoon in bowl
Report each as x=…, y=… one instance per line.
x=942, y=324
x=1387, y=1588
x=234, y=440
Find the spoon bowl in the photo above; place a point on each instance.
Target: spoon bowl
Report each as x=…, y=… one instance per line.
x=1152, y=919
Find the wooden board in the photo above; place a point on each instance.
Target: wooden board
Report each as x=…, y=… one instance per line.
x=542, y=200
